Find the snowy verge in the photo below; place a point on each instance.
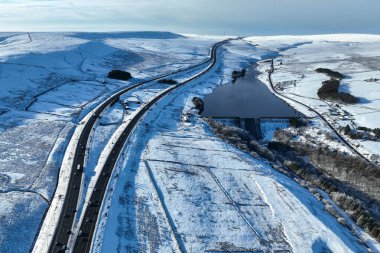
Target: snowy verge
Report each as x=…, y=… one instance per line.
x=103, y=158
x=49, y=224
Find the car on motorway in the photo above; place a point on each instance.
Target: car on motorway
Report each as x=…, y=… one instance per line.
x=81, y=233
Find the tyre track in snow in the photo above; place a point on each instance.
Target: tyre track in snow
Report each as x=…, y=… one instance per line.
x=270, y=242
x=177, y=236
x=235, y=205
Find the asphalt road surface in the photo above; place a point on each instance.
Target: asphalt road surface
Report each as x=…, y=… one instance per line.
x=87, y=228
x=66, y=220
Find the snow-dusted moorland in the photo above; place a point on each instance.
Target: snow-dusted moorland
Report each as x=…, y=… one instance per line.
x=177, y=187
x=353, y=55
x=48, y=83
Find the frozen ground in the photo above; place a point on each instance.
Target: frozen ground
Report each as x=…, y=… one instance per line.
x=180, y=189
x=355, y=56
x=48, y=83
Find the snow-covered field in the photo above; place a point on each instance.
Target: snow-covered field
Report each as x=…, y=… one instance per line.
x=177, y=187
x=181, y=189
x=355, y=56
x=48, y=83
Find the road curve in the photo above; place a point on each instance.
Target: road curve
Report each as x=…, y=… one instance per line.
x=316, y=112
x=65, y=222
x=87, y=227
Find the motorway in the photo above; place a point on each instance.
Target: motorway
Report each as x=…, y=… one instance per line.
x=317, y=113
x=88, y=225
x=65, y=223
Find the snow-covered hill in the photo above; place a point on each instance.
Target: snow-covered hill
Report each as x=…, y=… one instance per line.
x=356, y=56
x=48, y=82
x=177, y=185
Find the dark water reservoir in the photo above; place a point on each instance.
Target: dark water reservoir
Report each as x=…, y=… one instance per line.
x=246, y=98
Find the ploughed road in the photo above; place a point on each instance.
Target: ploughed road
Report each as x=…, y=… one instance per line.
x=65, y=223
x=87, y=228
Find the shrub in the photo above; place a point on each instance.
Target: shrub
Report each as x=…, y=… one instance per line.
x=329, y=208
x=233, y=139
x=342, y=221
x=328, y=87
x=282, y=136
x=364, y=128
x=254, y=154
x=279, y=146
x=198, y=103
x=346, y=98
x=347, y=129
x=329, y=90
x=376, y=131
x=243, y=146
x=375, y=232
x=241, y=139
x=330, y=73
x=293, y=122
x=167, y=81
x=236, y=74
x=119, y=75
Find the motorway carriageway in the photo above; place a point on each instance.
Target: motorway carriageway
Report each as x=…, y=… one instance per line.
x=64, y=229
